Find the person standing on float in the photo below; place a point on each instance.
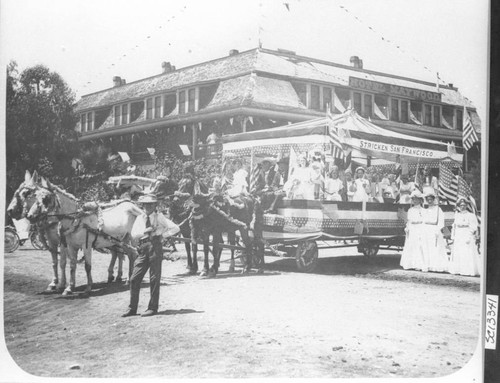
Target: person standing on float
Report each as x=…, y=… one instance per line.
x=434, y=244
x=465, y=258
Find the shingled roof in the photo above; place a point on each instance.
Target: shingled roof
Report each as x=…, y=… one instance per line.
x=264, y=62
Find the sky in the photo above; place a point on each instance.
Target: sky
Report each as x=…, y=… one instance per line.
x=89, y=41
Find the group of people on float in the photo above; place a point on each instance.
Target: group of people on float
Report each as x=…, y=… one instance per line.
x=317, y=180
x=425, y=245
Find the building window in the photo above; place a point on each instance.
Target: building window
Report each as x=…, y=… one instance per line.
x=404, y=111
x=416, y=112
x=149, y=108
x=381, y=107
x=206, y=95
x=344, y=96
x=315, y=97
x=327, y=99
x=191, y=100
x=157, y=110
x=447, y=118
x=394, y=109
x=357, y=102
x=459, y=120
x=169, y=103
x=117, y=114
x=368, y=105
x=301, y=90
x=436, y=116
x=427, y=114
x=83, y=122
x=124, y=114
x=182, y=102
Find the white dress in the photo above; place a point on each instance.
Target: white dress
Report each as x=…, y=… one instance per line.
x=434, y=243
x=333, y=188
x=465, y=257
x=301, y=186
x=240, y=184
x=405, y=192
x=414, y=254
x=360, y=194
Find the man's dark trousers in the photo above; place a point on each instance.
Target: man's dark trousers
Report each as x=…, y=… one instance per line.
x=150, y=257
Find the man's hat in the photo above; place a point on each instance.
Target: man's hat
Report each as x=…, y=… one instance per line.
x=147, y=198
x=462, y=199
x=284, y=160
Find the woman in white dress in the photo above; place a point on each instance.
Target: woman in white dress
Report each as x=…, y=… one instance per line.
x=405, y=189
x=361, y=184
x=376, y=189
x=334, y=186
x=433, y=240
x=349, y=185
x=414, y=255
x=464, y=256
x=239, y=185
x=300, y=185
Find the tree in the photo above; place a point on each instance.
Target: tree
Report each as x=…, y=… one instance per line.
x=40, y=125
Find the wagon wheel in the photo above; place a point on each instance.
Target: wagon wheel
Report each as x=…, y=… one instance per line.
x=11, y=240
x=306, y=256
x=370, y=249
x=36, y=242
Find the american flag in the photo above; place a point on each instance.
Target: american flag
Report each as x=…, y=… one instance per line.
x=469, y=134
x=465, y=191
x=254, y=175
x=448, y=185
x=338, y=150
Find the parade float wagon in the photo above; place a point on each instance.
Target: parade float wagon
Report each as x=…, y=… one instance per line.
x=298, y=225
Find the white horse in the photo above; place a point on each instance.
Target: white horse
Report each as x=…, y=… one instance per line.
x=23, y=199
x=100, y=228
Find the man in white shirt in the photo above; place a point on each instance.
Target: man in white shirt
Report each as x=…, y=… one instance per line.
x=148, y=230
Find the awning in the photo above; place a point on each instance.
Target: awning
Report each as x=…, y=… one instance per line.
x=354, y=132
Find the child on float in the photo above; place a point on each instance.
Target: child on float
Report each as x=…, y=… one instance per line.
x=361, y=185
x=334, y=186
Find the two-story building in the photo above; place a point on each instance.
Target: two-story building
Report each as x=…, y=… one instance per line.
x=260, y=89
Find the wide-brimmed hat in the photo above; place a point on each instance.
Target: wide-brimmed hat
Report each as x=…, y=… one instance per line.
x=284, y=160
x=462, y=199
x=361, y=168
x=416, y=194
x=430, y=193
x=147, y=198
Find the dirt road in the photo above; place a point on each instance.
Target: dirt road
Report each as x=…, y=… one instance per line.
x=354, y=317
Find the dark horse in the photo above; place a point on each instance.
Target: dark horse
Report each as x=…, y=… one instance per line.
x=213, y=215
x=180, y=211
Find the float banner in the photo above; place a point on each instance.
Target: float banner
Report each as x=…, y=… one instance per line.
x=398, y=149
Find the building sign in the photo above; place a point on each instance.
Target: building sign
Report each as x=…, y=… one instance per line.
x=394, y=90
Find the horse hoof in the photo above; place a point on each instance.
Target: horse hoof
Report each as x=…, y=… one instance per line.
x=67, y=292
x=260, y=271
x=118, y=279
x=110, y=279
x=212, y=274
x=231, y=269
x=203, y=273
